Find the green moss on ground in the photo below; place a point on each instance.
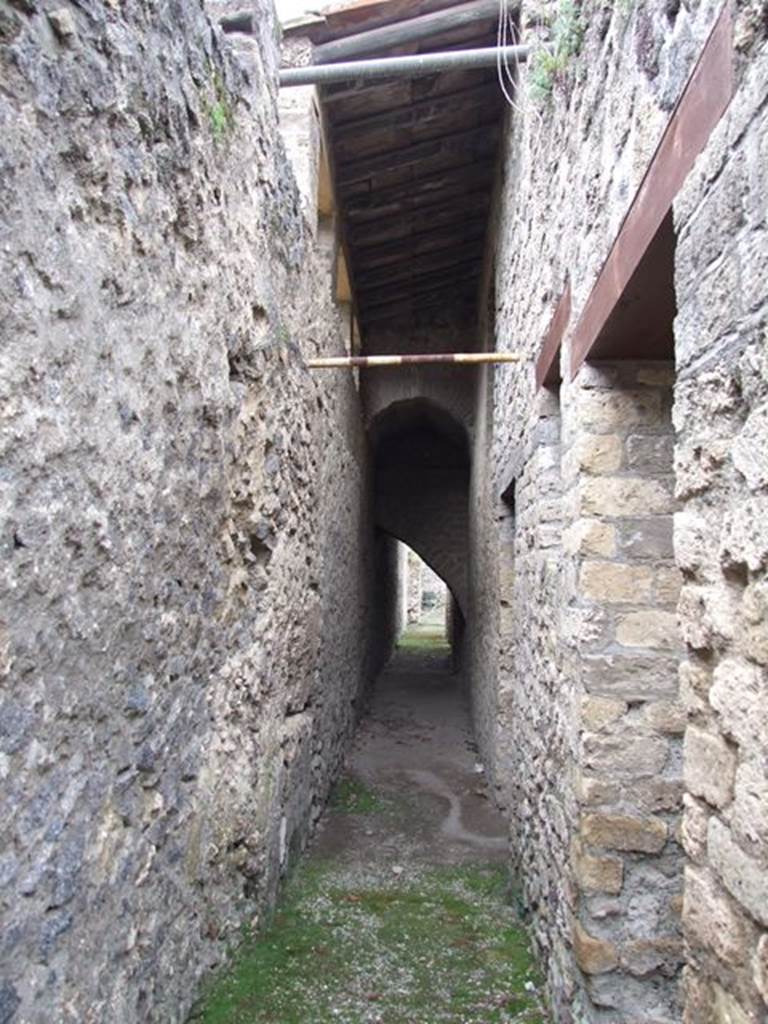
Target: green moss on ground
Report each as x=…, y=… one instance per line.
x=351, y=796
x=352, y=946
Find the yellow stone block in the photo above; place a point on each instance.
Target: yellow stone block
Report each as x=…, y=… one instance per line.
x=616, y=582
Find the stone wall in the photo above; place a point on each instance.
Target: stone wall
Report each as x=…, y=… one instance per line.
x=450, y=389
x=184, y=508
x=387, y=611
x=621, y=588
x=575, y=581
x=414, y=571
x=721, y=544
x=403, y=578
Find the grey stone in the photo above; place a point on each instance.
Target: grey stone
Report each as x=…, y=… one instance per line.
x=188, y=504
x=137, y=648
x=55, y=924
x=649, y=538
x=15, y=725
x=650, y=455
x=624, y=755
x=33, y=878
x=631, y=677
x=67, y=866
x=9, y=1002
x=37, y=811
x=10, y=26
x=743, y=876
x=137, y=701
x=9, y=866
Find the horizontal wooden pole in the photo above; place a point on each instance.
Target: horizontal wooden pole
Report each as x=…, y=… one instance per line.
x=462, y=358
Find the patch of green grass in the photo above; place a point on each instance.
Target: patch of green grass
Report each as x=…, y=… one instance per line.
x=351, y=796
x=441, y=947
x=423, y=638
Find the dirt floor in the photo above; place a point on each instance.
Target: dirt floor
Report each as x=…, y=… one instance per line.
x=402, y=911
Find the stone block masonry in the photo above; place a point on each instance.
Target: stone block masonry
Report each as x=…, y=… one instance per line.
x=622, y=581
x=654, y=544
x=184, y=509
x=721, y=542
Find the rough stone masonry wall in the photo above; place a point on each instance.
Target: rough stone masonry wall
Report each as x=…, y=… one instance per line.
x=572, y=164
x=183, y=508
x=621, y=587
x=515, y=533
x=414, y=570
x=721, y=544
x=387, y=600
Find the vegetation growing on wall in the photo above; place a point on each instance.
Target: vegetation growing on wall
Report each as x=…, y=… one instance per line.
x=221, y=116
x=551, y=64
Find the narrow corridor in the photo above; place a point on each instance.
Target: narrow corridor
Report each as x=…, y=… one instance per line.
x=402, y=913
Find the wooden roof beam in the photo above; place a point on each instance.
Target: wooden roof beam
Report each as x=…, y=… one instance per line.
x=427, y=184
x=363, y=238
x=428, y=243
x=367, y=95
x=406, y=31
x=405, y=311
x=354, y=145
x=455, y=226
x=415, y=272
x=419, y=110
x=415, y=206
x=457, y=274
x=483, y=137
x=430, y=283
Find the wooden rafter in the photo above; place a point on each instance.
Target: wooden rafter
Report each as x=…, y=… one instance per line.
x=446, y=283
x=478, y=140
x=450, y=266
x=418, y=111
x=415, y=223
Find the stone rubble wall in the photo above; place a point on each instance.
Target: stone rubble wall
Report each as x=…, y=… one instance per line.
x=415, y=566
x=623, y=648
x=480, y=654
x=721, y=545
x=521, y=699
x=449, y=388
x=387, y=612
x=403, y=582
x=600, y=865
x=184, y=508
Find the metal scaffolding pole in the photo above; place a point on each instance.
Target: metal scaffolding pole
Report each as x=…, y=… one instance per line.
x=370, y=362
x=406, y=67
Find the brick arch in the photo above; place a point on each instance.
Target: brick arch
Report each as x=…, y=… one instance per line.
x=421, y=481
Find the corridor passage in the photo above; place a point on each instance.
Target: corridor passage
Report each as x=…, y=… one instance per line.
x=402, y=911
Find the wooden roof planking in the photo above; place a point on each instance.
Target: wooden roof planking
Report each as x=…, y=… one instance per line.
x=414, y=158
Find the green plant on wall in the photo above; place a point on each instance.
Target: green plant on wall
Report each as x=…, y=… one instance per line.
x=550, y=65
x=221, y=116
